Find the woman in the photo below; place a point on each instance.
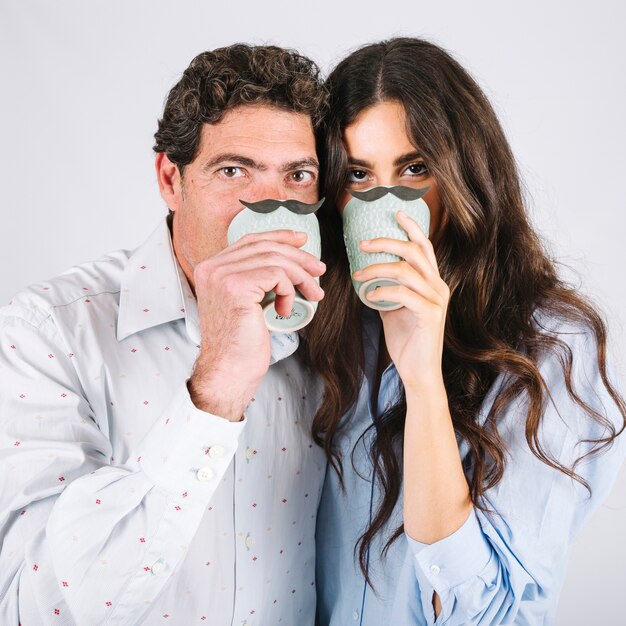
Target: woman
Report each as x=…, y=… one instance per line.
x=471, y=432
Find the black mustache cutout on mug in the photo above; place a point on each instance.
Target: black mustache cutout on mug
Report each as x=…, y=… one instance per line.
x=295, y=206
x=402, y=193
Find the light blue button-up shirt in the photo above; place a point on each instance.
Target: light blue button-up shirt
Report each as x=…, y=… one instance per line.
x=501, y=568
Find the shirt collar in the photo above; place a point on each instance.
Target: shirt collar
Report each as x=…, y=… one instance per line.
x=389, y=387
x=154, y=289
x=371, y=328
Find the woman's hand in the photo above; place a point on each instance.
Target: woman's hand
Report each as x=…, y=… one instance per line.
x=436, y=496
x=414, y=333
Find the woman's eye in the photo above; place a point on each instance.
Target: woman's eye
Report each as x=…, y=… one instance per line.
x=232, y=172
x=356, y=176
x=417, y=169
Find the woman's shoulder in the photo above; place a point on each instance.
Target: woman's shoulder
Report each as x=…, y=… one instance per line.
x=578, y=374
x=567, y=346
x=567, y=393
x=550, y=324
x=567, y=340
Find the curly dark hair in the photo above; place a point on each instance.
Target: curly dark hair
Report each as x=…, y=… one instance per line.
x=222, y=79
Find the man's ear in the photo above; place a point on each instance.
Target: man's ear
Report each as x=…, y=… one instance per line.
x=170, y=183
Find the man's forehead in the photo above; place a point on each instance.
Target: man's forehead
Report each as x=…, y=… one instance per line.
x=259, y=120
x=260, y=132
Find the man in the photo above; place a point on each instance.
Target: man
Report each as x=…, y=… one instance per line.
x=132, y=491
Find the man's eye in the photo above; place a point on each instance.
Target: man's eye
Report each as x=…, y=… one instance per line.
x=232, y=172
x=417, y=169
x=356, y=176
x=302, y=176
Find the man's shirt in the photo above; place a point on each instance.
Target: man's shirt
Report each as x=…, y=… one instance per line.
x=122, y=503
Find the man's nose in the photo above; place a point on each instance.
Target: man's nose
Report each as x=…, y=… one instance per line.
x=270, y=189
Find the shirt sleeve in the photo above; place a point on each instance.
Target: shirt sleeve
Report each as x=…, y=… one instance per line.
x=84, y=541
x=507, y=564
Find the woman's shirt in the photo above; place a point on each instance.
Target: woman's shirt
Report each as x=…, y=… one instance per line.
x=504, y=567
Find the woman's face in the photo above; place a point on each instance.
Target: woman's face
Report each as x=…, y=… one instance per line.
x=381, y=153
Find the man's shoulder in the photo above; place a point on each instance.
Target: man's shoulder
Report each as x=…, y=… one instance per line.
x=82, y=283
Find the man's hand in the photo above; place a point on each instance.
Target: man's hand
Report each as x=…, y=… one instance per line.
x=230, y=286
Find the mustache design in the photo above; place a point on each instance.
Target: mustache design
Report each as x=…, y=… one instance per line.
x=295, y=206
x=402, y=193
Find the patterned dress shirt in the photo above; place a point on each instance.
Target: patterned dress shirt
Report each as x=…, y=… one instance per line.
x=120, y=501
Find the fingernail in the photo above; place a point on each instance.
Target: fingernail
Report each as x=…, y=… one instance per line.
x=357, y=273
x=298, y=234
x=366, y=242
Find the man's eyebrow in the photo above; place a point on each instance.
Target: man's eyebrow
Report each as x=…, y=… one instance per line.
x=233, y=158
x=297, y=165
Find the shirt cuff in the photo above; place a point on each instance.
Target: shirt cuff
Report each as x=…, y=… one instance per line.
x=453, y=560
x=188, y=449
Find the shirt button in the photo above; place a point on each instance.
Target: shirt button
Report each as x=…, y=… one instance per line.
x=435, y=569
x=355, y=615
x=249, y=542
x=216, y=452
x=204, y=474
x=157, y=568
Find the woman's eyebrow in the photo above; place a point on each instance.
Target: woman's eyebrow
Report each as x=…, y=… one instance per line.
x=405, y=158
x=401, y=160
x=359, y=162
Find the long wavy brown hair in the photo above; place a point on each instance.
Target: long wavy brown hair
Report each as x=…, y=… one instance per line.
x=495, y=265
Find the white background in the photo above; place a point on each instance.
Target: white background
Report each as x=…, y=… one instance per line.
x=82, y=84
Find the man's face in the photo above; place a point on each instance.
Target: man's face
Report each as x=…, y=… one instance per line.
x=254, y=152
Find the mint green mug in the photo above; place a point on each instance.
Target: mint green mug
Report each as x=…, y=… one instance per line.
x=371, y=214
x=268, y=215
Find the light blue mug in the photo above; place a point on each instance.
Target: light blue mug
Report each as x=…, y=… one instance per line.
x=371, y=214
x=268, y=215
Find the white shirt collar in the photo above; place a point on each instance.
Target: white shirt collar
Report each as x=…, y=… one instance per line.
x=154, y=289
